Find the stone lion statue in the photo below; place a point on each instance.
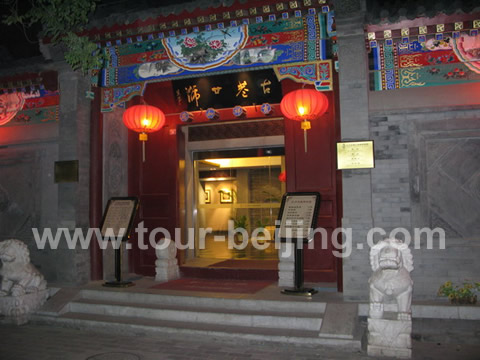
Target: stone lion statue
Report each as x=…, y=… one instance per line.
x=18, y=275
x=391, y=262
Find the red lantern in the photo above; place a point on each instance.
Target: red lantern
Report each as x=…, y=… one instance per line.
x=143, y=119
x=304, y=105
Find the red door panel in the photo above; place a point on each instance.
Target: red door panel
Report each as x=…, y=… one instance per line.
x=315, y=170
x=155, y=183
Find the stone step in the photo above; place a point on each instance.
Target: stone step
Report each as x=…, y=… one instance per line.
x=296, y=304
x=135, y=326
x=58, y=302
x=209, y=315
x=295, y=320
x=340, y=320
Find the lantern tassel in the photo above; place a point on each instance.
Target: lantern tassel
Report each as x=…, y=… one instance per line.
x=305, y=126
x=143, y=138
x=305, y=139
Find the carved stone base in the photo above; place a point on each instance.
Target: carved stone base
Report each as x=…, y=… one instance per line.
x=16, y=309
x=166, y=270
x=389, y=351
x=166, y=265
x=286, y=265
x=389, y=338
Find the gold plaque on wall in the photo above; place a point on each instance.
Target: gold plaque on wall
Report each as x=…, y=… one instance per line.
x=355, y=155
x=66, y=171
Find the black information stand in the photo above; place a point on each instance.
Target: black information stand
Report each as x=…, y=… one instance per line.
x=117, y=221
x=296, y=220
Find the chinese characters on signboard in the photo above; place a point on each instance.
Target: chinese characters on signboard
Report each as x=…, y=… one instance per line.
x=224, y=91
x=298, y=215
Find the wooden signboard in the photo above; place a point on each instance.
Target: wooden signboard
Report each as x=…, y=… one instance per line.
x=119, y=216
x=117, y=222
x=298, y=215
x=225, y=91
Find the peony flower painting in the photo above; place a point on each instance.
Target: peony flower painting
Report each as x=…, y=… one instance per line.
x=206, y=49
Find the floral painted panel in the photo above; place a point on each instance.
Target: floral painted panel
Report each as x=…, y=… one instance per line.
x=436, y=61
x=206, y=50
x=250, y=58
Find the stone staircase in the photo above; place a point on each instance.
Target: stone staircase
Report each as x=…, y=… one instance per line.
x=136, y=313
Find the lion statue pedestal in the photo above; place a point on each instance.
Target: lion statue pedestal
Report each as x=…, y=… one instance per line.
x=166, y=265
x=23, y=289
x=390, y=319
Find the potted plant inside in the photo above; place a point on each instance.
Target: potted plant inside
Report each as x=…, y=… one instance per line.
x=263, y=226
x=466, y=294
x=240, y=221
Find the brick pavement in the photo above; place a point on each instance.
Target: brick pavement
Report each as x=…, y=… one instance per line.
x=35, y=342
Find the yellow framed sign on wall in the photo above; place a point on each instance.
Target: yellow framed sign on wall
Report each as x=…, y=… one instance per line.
x=355, y=155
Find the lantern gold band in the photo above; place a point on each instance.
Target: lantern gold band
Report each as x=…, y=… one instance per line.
x=306, y=125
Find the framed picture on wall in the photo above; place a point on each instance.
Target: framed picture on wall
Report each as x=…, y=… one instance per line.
x=225, y=196
x=208, y=196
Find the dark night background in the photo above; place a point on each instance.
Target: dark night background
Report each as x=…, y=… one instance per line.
x=14, y=44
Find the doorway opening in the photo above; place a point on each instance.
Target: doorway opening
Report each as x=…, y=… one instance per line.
x=231, y=172
x=237, y=198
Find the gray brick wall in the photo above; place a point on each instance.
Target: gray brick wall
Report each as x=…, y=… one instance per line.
x=357, y=198
x=427, y=161
x=73, y=265
x=414, y=151
x=426, y=174
x=356, y=266
x=390, y=177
